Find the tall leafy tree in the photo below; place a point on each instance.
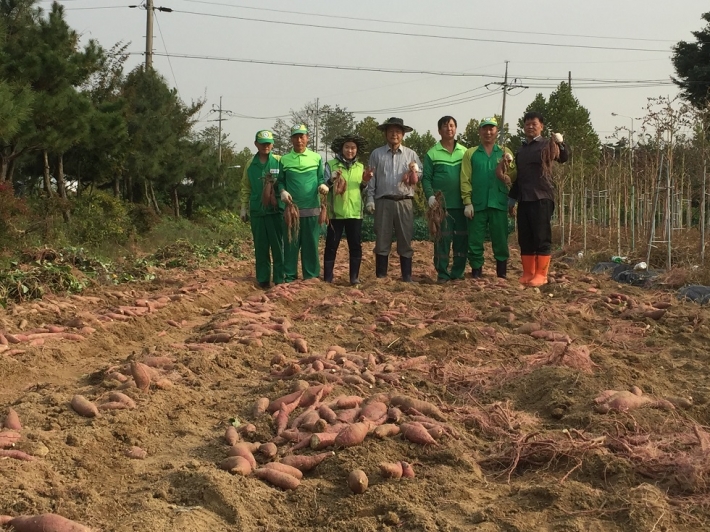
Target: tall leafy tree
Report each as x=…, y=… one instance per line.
x=335, y=121
x=691, y=61
x=367, y=129
x=420, y=143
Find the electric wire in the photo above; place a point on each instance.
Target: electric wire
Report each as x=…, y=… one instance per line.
x=170, y=63
x=420, y=24
x=418, y=35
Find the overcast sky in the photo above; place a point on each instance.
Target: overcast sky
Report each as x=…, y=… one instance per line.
x=593, y=40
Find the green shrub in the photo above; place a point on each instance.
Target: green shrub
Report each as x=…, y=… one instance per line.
x=143, y=218
x=98, y=218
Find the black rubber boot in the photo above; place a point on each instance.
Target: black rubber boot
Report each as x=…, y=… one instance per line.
x=381, y=263
x=476, y=273
x=501, y=268
x=355, y=270
x=328, y=266
x=265, y=285
x=406, y=267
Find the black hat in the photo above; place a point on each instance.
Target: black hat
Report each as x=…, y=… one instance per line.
x=394, y=121
x=338, y=142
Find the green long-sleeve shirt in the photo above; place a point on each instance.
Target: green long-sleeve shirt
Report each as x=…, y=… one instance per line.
x=479, y=184
x=442, y=171
x=300, y=174
x=253, y=185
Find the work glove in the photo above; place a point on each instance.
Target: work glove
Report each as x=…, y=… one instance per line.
x=370, y=207
x=286, y=197
x=468, y=211
x=559, y=138
x=243, y=214
x=432, y=201
x=509, y=158
x=322, y=189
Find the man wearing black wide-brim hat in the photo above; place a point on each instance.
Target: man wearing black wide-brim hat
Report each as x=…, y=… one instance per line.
x=390, y=198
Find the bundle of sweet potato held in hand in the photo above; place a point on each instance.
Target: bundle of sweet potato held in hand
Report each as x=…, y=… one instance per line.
x=291, y=217
x=268, y=196
x=339, y=183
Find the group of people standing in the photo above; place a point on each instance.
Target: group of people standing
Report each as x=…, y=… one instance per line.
x=480, y=187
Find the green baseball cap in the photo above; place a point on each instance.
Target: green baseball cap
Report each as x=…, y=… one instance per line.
x=300, y=129
x=264, y=137
x=488, y=122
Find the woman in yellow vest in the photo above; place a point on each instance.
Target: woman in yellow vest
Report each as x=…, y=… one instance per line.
x=346, y=177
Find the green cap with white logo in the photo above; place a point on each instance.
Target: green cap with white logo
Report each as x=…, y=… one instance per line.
x=300, y=129
x=488, y=122
x=264, y=137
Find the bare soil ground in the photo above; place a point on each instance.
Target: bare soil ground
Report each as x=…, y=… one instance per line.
x=527, y=447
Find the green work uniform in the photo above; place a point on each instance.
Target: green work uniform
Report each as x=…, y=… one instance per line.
x=299, y=175
x=442, y=170
x=266, y=222
x=489, y=197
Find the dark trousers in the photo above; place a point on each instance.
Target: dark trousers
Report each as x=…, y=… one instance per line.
x=534, y=227
x=353, y=233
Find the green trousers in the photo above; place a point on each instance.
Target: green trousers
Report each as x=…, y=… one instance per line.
x=307, y=243
x=454, y=233
x=267, y=232
x=496, y=221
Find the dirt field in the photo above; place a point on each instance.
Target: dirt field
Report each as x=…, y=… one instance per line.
x=521, y=445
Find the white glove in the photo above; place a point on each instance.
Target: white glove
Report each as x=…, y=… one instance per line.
x=432, y=201
x=468, y=211
x=370, y=208
x=243, y=214
x=285, y=196
x=558, y=138
x=323, y=189
x=508, y=157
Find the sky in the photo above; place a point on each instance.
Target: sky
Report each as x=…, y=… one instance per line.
x=618, y=53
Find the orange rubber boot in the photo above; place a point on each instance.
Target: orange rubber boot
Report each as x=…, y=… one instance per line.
x=542, y=264
x=528, y=268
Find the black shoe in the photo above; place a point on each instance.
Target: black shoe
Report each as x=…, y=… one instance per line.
x=381, y=264
x=328, y=266
x=406, y=267
x=355, y=270
x=265, y=285
x=501, y=268
x=476, y=273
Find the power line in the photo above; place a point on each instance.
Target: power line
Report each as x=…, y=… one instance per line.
x=620, y=82
x=170, y=63
x=418, y=35
x=420, y=24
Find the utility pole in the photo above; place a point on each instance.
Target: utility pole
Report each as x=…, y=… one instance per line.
x=316, y=123
x=505, y=86
x=219, y=120
x=149, y=34
x=569, y=79
x=149, y=9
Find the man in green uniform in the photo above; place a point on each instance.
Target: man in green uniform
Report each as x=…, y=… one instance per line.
x=301, y=181
x=485, y=198
x=442, y=171
x=266, y=220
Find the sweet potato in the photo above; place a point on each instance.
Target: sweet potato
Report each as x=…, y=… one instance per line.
x=348, y=416
x=345, y=402
x=300, y=345
x=17, y=455
x=276, y=404
x=277, y=478
x=231, y=436
x=416, y=433
x=84, y=407
x=243, y=451
x=216, y=338
x=406, y=403
x=326, y=413
x=306, y=463
x=136, y=453
x=12, y=420
x=284, y=468
x=268, y=450
x=314, y=394
x=394, y=414
x=260, y=406
x=352, y=435
x=46, y=523
x=357, y=481
x=236, y=465
x=386, y=431
x=122, y=398
x=373, y=411
x=141, y=375
x=5, y=519
x=391, y=469
x=322, y=440
x=407, y=470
